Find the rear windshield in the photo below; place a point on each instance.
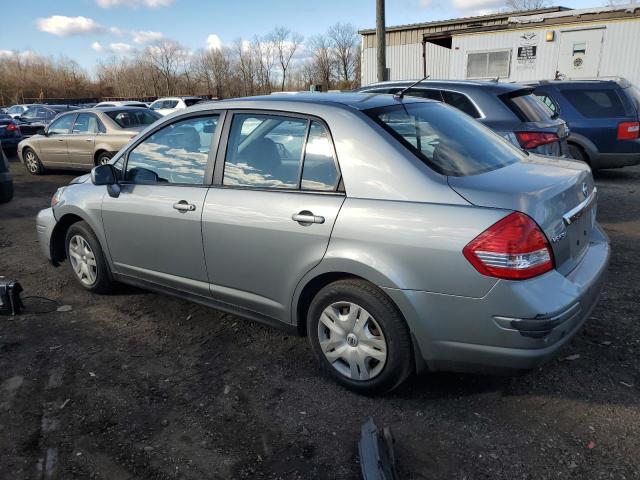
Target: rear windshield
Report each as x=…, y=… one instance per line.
x=445, y=139
x=192, y=101
x=134, y=117
x=528, y=107
x=596, y=103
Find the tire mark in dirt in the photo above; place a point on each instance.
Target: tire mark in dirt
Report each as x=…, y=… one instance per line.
x=47, y=466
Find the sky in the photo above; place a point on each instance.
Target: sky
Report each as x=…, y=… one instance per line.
x=88, y=30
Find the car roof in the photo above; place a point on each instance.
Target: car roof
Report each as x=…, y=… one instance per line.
x=117, y=108
x=497, y=87
x=354, y=100
x=578, y=82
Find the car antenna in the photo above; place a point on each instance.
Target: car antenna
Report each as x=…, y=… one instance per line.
x=399, y=95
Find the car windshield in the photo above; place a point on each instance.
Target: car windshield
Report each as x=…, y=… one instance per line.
x=134, y=117
x=448, y=141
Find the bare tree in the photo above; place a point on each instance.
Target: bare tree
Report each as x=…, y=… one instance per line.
x=345, y=48
x=264, y=53
x=165, y=56
x=528, y=4
x=286, y=43
x=323, y=61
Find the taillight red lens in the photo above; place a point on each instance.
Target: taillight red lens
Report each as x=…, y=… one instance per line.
x=513, y=248
x=529, y=140
x=11, y=127
x=628, y=130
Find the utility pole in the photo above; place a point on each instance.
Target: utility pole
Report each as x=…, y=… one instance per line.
x=380, y=37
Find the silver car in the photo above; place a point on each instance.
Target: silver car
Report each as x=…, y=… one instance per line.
x=398, y=234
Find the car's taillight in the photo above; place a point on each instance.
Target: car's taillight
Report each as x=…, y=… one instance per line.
x=529, y=140
x=513, y=248
x=628, y=130
x=12, y=127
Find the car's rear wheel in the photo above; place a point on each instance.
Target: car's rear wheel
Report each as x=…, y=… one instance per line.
x=103, y=158
x=359, y=336
x=86, y=258
x=578, y=153
x=32, y=162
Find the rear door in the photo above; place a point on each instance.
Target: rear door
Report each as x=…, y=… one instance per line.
x=82, y=140
x=54, y=147
x=153, y=227
x=268, y=218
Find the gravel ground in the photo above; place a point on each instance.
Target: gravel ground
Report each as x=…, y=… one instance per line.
x=139, y=385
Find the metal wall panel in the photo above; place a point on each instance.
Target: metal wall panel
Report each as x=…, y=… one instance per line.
x=438, y=60
x=404, y=63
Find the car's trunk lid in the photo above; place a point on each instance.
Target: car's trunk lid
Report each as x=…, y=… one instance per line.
x=556, y=193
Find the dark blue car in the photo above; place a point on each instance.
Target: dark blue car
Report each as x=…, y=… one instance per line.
x=10, y=134
x=509, y=109
x=602, y=116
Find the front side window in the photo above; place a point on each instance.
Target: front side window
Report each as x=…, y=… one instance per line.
x=175, y=154
x=264, y=151
x=85, y=124
x=450, y=143
x=156, y=105
x=319, y=171
x=62, y=125
x=30, y=113
x=15, y=110
x=170, y=104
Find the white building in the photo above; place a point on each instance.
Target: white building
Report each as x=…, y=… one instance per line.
x=517, y=46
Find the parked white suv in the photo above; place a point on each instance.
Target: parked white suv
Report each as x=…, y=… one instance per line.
x=167, y=105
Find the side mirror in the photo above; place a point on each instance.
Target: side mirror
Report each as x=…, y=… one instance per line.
x=103, y=175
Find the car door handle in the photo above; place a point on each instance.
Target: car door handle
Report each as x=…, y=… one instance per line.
x=184, y=206
x=88, y=139
x=305, y=217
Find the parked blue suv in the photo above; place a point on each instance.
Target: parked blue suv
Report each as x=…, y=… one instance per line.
x=603, y=118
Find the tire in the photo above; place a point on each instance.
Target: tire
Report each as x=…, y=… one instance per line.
x=370, y=357
x=32, y=162
x=81, y=244
x=103, y=158
x=577, y=153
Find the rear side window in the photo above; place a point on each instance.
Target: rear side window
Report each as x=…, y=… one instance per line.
x=133, y=118
x=596, y=103
x=319, y=171
x=421, y=93
x=528, y=107
x=548, y=101
x=461, y=102
x=450, y=143
x=192, y=101
x=634, y=93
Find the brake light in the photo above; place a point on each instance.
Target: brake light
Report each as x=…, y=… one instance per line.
x=513, y=248
x=528, y=140
x=628, y=130
x=12, y=127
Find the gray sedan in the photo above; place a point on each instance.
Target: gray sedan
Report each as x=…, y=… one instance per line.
x=399, y=235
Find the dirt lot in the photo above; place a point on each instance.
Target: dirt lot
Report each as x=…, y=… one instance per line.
x=138, y=385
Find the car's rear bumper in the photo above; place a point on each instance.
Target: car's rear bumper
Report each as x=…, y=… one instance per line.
x=10, y=143
x=517, y=326
x=617, y=160
x=45, y=223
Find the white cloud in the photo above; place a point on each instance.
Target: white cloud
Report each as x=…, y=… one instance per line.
x=134, y=3
x=480, y=5
x=120, y=48
x=146, y=36
x=67, y=26
x=97, y=46
x=424, y=3
x=214, y=42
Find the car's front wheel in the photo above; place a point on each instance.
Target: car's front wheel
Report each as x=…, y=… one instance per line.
x=32, y=162
x=359, y=336
x=86, y=258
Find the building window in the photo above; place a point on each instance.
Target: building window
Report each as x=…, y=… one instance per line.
x=488, y=64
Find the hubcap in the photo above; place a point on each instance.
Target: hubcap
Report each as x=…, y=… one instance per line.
x=103, y=160
x=30, y=160
x=352, y=341
x=83, y=260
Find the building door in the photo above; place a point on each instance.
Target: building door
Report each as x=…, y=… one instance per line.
x=580, y=51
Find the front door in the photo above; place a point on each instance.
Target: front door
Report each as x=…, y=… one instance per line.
x=579, y=55
x=82, y=139
x=268, y=219
x=53, y=147
x=153, y=227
